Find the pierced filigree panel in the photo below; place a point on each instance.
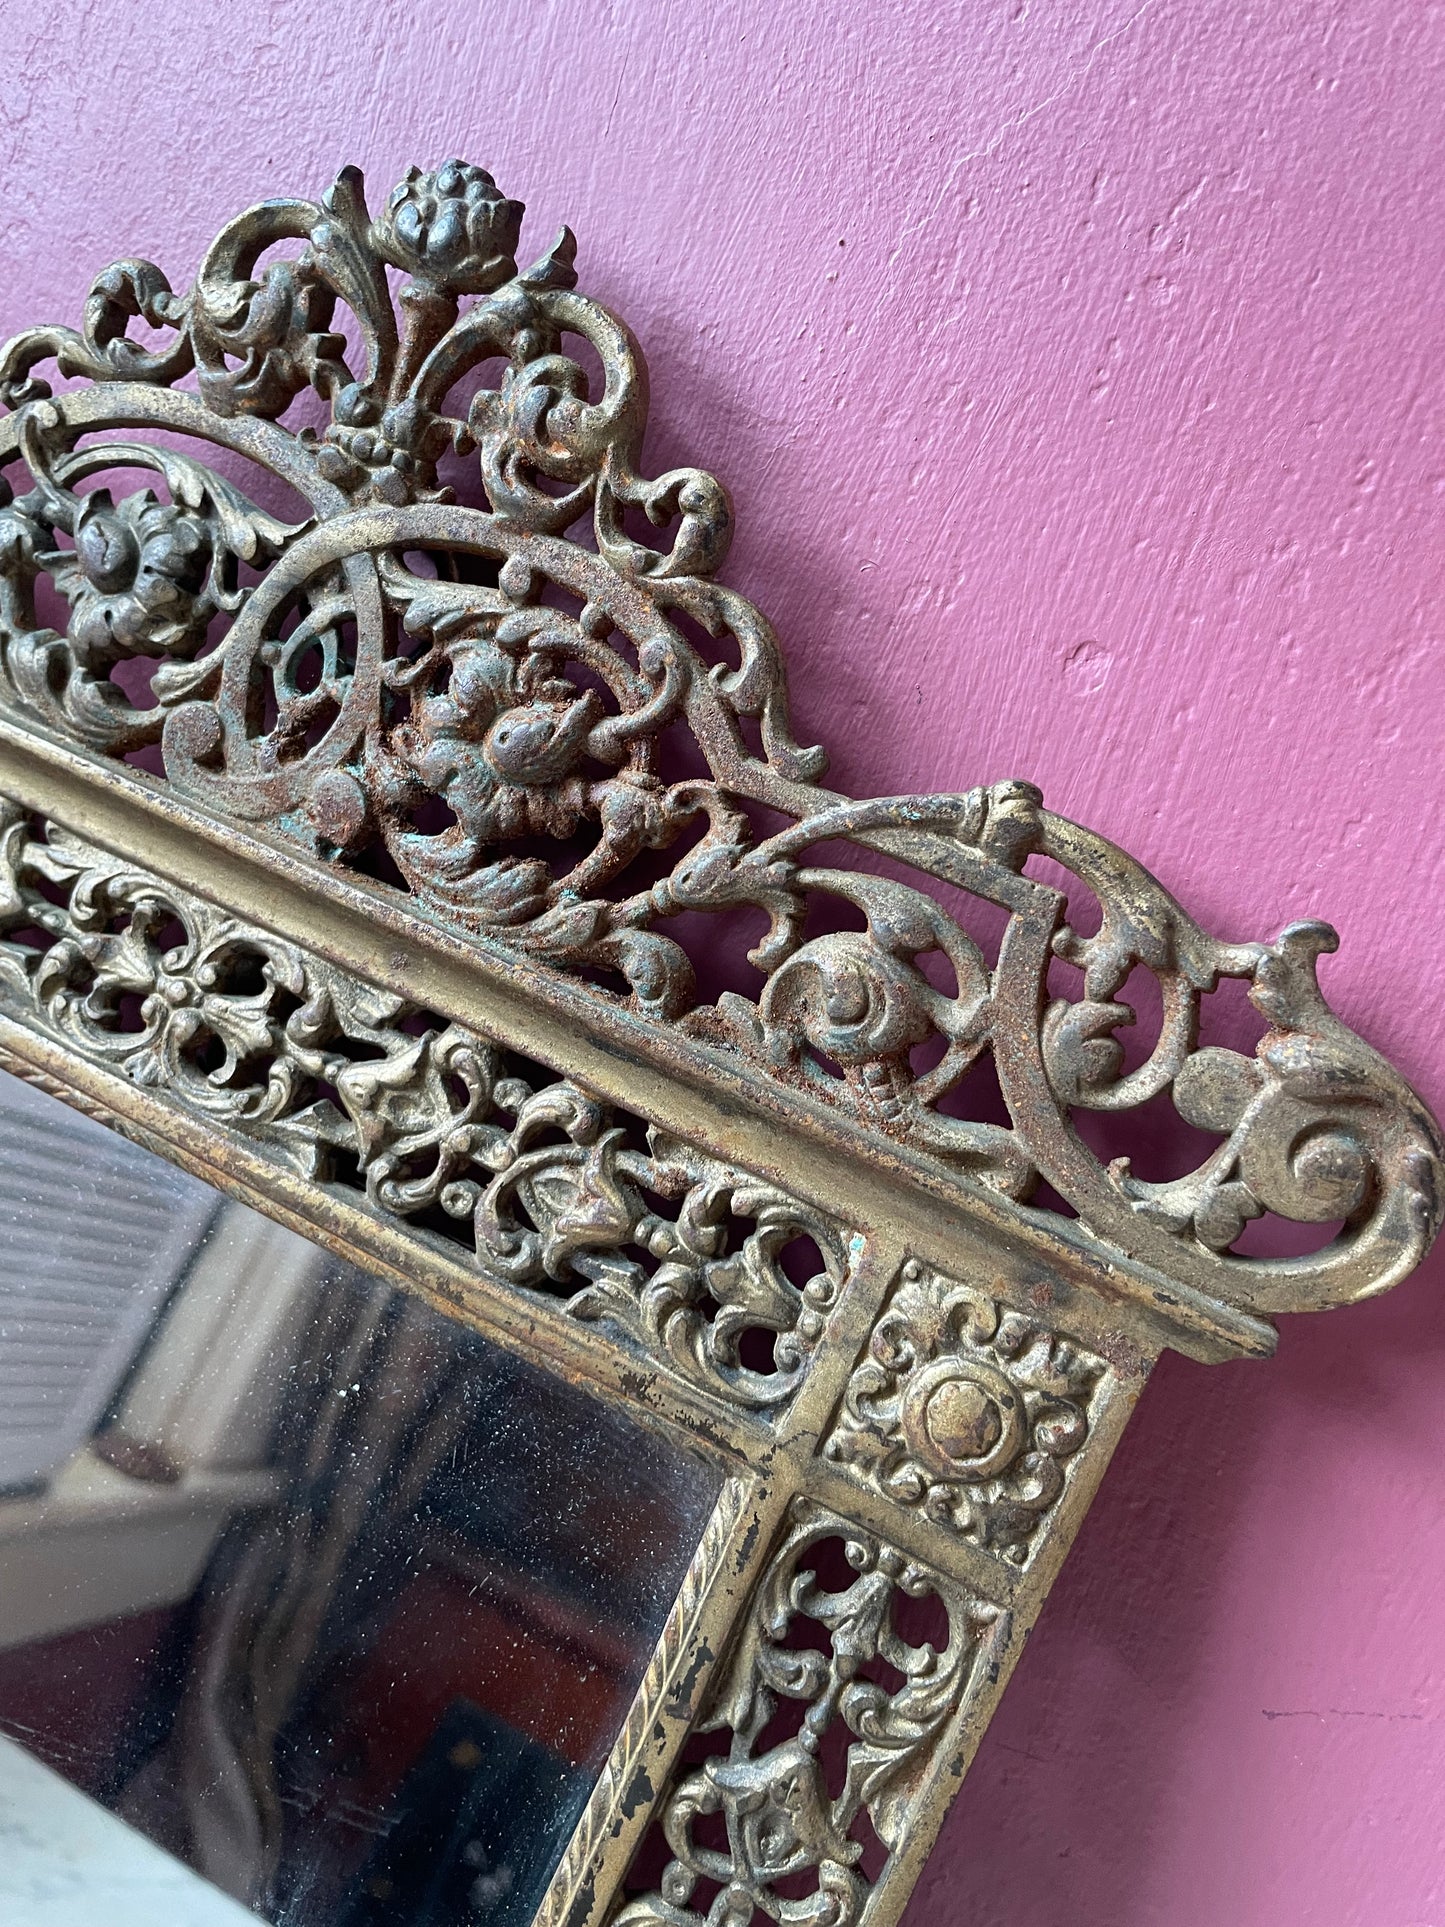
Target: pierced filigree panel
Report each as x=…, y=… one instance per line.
x=969, y=1411
x=724, y=1279
x=875, y=1706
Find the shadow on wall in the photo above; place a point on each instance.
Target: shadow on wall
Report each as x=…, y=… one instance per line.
x=1085, y=1804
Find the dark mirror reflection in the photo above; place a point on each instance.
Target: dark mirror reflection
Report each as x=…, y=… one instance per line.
x=327, y=1604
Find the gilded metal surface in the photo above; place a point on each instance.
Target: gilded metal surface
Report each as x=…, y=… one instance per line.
x=670, y=1681
x=254, y=1036
x=968, y=1410
x=440, y=682
x=784, y=1823
x=385, y=773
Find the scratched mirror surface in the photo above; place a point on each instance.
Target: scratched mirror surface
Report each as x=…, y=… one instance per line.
x=327, y=1596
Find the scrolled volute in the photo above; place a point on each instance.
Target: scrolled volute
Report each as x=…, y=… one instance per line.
x=1316, y=1127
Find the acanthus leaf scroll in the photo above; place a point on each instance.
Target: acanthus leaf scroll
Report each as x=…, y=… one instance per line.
x=792, y=1846
x=557, y=738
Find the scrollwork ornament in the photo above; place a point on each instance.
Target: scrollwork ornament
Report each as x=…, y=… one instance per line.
x=791, y=1853
x=543, y=714
x=551, y=1190
x=351, y=550
x=1316, y=1127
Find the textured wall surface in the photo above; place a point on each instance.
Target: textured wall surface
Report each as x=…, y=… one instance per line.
x=1077, y=368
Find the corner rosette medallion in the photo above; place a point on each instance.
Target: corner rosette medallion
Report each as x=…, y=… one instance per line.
x=969, y=1411
x=487, y=658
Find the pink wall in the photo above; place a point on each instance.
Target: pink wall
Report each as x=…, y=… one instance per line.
x=1074, y=363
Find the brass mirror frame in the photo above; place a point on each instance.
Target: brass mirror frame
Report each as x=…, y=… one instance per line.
x=945, y=1391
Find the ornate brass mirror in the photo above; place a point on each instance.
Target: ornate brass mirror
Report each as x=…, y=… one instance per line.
x=721, y=1281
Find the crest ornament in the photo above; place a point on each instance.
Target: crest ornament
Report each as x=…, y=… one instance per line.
x=465, y=668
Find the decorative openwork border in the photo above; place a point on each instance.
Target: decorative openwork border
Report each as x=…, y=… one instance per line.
x=401, y=823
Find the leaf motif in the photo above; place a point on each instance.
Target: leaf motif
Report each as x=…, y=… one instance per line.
x=243, y=1025
x=751, y=1292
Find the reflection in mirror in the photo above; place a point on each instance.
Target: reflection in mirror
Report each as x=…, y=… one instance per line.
x=303, y=1581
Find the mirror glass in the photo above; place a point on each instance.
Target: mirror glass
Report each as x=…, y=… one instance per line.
x=314, y=1605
